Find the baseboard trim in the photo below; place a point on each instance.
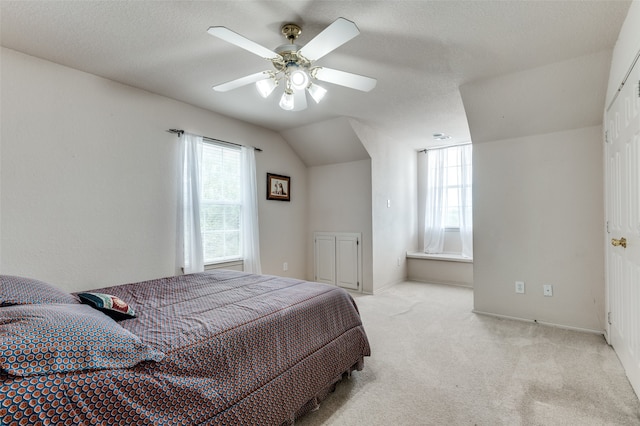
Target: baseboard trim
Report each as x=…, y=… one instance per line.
x=387, y=286
x=452, y=283
x=548, y=324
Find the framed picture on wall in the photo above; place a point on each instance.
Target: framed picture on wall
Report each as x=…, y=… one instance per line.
x=278, y=187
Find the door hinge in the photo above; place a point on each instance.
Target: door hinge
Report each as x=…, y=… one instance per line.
x=609, y=318
x=358, y=284
x=608, y=232
x=638, y=86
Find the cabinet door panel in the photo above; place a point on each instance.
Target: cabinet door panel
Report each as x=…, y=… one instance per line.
x=325, y=264
x=347, y=262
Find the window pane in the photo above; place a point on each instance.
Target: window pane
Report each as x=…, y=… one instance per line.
x=453, y=182
x=221, y=206
x=213, y=243
x=453, y=176
x=211, y=217
x=232, y=243
x=452, y=197
x=452, y=157
x=232, y=218
x=452, y=219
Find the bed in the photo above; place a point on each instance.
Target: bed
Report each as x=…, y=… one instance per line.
x=220, y=347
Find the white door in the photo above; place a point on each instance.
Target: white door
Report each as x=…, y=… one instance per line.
x=325, y=258
x=347, y=261
x=622, y=186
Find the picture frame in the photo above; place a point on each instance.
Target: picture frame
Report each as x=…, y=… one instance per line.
x=278, y=187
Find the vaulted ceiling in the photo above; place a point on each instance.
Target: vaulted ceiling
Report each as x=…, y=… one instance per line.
x=419, y=51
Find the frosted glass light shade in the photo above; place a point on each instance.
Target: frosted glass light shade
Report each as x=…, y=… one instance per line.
x=316, y=92
x=265, y=87
x=299, y=79
x=286, y=101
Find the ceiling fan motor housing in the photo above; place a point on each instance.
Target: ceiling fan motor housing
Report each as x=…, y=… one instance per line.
x=290, y=58
x=291, y=31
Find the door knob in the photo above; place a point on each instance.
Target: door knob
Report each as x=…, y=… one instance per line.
x=621, y=242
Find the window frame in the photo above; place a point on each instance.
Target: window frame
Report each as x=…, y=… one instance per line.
x=231, y=259
x=458, y=187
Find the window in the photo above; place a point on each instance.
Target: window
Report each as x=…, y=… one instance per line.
x=455, y=188
x=447, y=198
x=218, y=214
x=221, y=203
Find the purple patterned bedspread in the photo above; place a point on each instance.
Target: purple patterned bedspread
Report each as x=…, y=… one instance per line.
x=240, y=349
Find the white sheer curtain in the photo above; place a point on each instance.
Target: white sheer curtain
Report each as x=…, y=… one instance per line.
x=465, y=202
x=434, y=211
x=189, y=204
x=250, y=230
x=448, y=199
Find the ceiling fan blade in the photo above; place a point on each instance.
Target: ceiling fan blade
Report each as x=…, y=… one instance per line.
x=232, y=37
x=242, y=81
x=299, y=100
x=346, y=79
x=332, y=37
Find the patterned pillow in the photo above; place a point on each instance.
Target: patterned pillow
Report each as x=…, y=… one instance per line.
x=113, y=306
x=43, y=339
x=24, y=291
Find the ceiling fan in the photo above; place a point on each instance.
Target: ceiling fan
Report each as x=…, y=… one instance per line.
x=295, y=65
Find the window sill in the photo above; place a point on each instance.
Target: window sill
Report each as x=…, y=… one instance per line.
x=224, y=265
x=448, y=257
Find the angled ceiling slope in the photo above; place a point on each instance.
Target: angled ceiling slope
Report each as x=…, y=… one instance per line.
x=327, y=142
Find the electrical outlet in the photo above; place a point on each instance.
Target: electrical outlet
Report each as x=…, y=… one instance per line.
x=285, y=266
x=520, y=287
x=547, y=290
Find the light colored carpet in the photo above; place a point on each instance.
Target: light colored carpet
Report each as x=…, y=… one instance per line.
x=434, y=362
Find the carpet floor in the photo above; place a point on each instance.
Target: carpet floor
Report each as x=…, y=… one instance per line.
x=435, y=362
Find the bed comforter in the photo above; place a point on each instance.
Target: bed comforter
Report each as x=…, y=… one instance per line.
x=240, y=349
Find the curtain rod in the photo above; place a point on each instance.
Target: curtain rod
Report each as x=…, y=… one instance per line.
x=445, y=146
x=179, y=132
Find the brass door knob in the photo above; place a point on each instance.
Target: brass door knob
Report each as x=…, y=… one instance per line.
x=621, y=242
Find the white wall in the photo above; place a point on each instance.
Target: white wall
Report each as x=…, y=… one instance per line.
x=88, y=183
x=538, y=191
x=393, y=180
x=538, y=218
x=440, y=271
x=340, y=201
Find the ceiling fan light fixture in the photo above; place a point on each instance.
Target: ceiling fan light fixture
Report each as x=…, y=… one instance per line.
x=316, y=92
x=294, y=65
x=299, y=78
x=266, y=87
x=286, y=101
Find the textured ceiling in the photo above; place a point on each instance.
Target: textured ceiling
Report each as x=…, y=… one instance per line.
x=419, y=51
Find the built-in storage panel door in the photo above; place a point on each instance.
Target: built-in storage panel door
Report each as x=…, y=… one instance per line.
x=338, y=259
x=347, y=275
x=325, y=258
